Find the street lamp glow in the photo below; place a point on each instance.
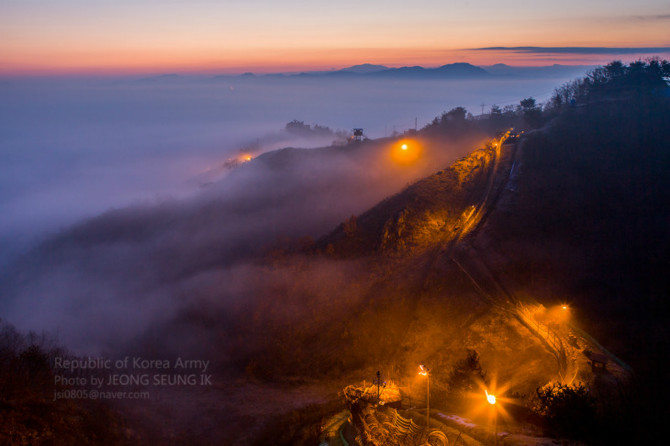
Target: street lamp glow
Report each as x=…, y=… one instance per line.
x=406, y=151
x=565, y=307
x=423, y=370
x=490, y=398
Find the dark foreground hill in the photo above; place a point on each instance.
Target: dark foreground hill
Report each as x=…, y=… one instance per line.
x=590, y=224
x=583, y=221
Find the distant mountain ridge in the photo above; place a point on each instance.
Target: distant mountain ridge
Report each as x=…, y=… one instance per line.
x=458, y=70
x=365, y=68
x=454, y=70
x=558, y=70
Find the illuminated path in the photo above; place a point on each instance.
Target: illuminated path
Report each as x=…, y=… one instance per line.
x=472, y=264
x=475, y=219
x=569, y=356
x=474, y=216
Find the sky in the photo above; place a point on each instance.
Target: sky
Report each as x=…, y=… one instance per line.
x=119, y=36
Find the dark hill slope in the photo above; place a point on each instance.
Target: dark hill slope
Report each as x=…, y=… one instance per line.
x=423, y=215
x=592, y=211
x=590, y=225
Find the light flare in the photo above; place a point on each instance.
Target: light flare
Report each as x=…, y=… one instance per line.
x=244, y=157
x=406, y=151
x=494, y=403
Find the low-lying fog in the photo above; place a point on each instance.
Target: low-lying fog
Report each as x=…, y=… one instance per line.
x=72, y=149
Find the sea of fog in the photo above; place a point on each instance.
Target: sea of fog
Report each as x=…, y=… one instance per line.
x=72, y=148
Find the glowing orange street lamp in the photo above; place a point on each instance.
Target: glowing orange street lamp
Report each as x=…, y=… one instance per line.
x=406, y=151
x=492, y=401
x=425, y=371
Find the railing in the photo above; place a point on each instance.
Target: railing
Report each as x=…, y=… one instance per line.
x=392, y=429
x=547, y=334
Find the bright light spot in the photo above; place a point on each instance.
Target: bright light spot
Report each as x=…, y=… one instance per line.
x=490, y=398
x=406, y=151
x=423, y=370
x=565, y=307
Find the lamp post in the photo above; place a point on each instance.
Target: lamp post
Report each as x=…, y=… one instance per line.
x=425, y=371
x=492, y=401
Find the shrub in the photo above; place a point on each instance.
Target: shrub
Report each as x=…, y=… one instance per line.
x=466, y=375
x=567, y=410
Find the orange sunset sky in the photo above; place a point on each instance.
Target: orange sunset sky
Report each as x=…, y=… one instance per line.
x=125, y=36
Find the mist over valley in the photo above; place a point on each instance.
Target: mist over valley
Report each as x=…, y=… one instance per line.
x=517, y=253
x=75, y=147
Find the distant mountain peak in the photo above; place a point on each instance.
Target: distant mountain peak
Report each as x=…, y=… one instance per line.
x=364, y=68
x=461, y=68
x=458, y=64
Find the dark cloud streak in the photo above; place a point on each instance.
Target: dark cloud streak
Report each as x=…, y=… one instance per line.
x=576, y=50
x=657, y=17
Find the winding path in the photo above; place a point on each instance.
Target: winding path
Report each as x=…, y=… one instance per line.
x=468, y=259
